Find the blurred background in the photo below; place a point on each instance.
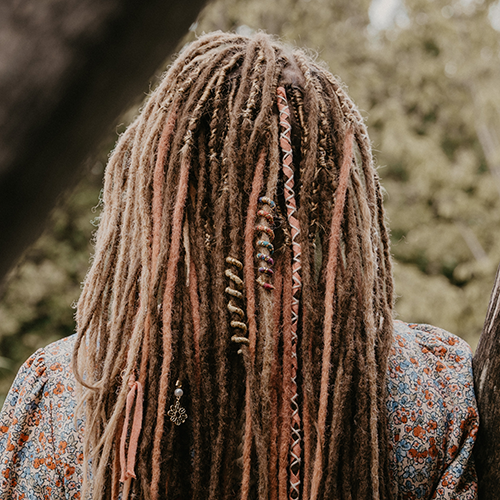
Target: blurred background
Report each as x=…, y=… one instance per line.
x=426, y=76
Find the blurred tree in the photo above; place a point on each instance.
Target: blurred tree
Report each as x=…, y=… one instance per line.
x=486, y=366
x=68, y=68
x=437, y=98
x=37, y=306
x=426, y=79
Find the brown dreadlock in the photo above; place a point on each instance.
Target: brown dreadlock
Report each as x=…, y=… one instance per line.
x=193, y=191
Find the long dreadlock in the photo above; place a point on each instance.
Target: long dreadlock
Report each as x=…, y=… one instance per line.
x=242, y=272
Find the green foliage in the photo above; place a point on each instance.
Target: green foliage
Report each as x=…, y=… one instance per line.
x=37, y=307
x=427, y=85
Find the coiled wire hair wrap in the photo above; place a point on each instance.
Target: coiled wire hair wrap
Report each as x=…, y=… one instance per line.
x=291, y=208
x=234, y=291
x=265, y=247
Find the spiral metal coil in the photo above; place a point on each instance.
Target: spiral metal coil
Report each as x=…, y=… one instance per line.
x=265, y=229
x=234, y=290
x=266, y=244
x=266, y=215
x=265, y=234
x=265, y=258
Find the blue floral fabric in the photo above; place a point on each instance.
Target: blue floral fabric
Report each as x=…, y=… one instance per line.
x=432, y=417
x=41, y=447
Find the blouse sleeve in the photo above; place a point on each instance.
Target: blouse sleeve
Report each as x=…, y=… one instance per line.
x=433, y=416
x=34, y=460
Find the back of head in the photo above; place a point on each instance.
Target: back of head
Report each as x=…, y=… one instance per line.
x=242, y=258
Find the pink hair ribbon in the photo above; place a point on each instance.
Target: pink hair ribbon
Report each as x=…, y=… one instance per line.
x=128, y=462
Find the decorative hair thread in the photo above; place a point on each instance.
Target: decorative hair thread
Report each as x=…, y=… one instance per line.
x=291, y=207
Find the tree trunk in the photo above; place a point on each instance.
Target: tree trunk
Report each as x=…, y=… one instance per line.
x=67, y=69
x=486, y=366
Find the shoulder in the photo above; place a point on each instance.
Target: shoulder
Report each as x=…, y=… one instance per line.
x=432, y=410
x=40, y=442
x=431, y=339
x=43, y=371
x=430, y=351
x=429, y=370
x=56, y=359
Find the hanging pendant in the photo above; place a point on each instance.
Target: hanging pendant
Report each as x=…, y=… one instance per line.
x=177, y=413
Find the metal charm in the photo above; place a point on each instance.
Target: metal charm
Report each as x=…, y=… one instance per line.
x=177, y=413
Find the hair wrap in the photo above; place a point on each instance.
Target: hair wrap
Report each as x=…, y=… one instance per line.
x=291, y=207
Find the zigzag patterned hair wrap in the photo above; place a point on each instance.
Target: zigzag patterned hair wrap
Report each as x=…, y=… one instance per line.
x=291, y=208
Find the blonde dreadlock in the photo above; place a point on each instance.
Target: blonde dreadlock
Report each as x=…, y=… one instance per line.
x=192, y=281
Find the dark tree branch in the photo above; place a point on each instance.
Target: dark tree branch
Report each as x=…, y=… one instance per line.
x=67, y=70
x=486, y=366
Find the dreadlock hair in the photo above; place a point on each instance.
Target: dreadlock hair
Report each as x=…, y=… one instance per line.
x=243, y=255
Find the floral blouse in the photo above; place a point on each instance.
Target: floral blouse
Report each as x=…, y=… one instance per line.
x=432, y=418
